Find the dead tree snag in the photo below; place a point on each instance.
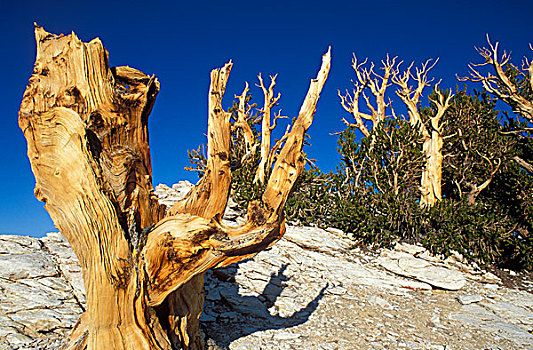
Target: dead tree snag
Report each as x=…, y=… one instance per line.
x=86, y=126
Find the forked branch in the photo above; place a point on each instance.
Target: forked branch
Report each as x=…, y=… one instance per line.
x=243, y=113
x=266, y=126
x=377, y=84
x=500, y=85
x=182, y=246
x=442, y=102
x=475, y=190
x=410, y=96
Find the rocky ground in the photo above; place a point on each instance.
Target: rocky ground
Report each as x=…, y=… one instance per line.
x=311, y=290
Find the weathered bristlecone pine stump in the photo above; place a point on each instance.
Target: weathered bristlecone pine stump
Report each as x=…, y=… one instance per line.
x=86, y=125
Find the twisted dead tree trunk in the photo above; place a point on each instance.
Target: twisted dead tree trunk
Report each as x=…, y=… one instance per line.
x=86, y=126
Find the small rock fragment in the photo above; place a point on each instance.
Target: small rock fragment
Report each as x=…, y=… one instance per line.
x=378, y=301
x=469, y=299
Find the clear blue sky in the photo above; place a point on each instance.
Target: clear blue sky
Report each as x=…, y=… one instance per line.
x=180, y=42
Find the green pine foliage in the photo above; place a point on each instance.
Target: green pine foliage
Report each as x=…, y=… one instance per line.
x=311, y=201
x=377, y=184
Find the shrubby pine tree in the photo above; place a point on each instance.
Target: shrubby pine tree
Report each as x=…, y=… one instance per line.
x=378, y=182
x=483, y=208
x=476, y=216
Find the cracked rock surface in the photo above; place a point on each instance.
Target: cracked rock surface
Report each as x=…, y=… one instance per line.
x=41, y=291
x=312, y=290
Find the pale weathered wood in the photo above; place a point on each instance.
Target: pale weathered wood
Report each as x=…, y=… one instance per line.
x=524, y=164
x=431, y=180
x=378, y=84
x=266, y=127
x=430, y=183
x=184, y=245
x=432, y=174
x=500, y=85
x=290, y=163
x=88, y=148
x=86, y=126
x=209, y=196
x=243, y=113
x=207, y=199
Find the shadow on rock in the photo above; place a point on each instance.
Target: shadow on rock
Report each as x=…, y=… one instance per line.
x=230, y=314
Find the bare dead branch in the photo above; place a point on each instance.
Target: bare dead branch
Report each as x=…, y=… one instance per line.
x=242, y=115
x=275, y=121
x=442, y=103
x=276, y=146
x=209, y=196
x=183, y=245
x=377, y=84
x=524, y=164
x=475, y=190
x=266, y=129
x=411, y=97
x=500, y=85
x=290, y=162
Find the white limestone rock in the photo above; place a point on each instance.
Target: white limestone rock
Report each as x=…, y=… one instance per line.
x=405, y=264
x=409, y=248
x=479, y=317
x=469, y=299
x=68, y=263
x=30, y=265
x=40, y=320
x=309, y=291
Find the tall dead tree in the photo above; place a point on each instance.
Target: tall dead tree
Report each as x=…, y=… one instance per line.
x=244, y=114
x=86, y=126
x=431, y=181
x=367, y=78
x=244, y=111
